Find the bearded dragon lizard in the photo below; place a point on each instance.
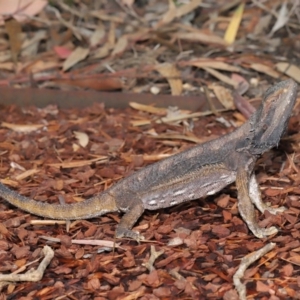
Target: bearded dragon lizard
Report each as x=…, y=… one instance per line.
x=201, y=170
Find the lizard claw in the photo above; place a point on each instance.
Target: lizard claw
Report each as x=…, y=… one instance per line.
x=274, y=211
x=263, y=232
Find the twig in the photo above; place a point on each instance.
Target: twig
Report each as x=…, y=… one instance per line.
x=245, y=263
x=154, y=255
x=30, y=275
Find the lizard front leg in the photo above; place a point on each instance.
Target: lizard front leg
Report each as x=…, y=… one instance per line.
x=246, y=207
x=255, y=195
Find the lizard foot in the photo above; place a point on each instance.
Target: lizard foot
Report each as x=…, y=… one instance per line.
x=274, y=211
x=123, y=232
x=263, y=232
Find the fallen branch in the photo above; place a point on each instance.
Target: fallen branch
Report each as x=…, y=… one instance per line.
x=30, y=275
x=245, y=263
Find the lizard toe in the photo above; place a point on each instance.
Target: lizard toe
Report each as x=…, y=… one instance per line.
x=265, y=232
x=274, y=211
x=123, y=232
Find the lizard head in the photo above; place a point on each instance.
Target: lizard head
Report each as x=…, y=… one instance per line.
x=269, y=122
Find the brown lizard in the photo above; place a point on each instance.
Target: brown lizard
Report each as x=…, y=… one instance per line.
x=202, y=170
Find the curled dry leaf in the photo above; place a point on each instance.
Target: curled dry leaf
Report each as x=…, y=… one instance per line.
x=82, y=137
x=155, y=90
x=75, y=147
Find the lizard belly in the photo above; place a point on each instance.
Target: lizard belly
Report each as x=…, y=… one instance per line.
x=185, y=191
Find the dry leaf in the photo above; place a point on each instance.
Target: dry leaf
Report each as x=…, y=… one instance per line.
x=170, y=72
x=265, y=69
x=178, y=11
x=20, y=9
x=103, y=51
x=41, y=65
x=14, y=165
x=111, y=36
x=295, y=259
x=14, y=31
x=22, y=128
x=96, y=82
x=147, y=108
x=102, y=15
x=82, y=138
x=169, y=15
x=26, y=174
x=75, y=57
x=221, y=77
x=98, y=35
x=9, y=182
x=62, y=52
x=10, y=66
x=262, y=287
x=201, y=37
x=5, y=55
x=234, y=24
x=224, y=96
x=212, y=63
x=282, y=19
x=262, y=25
x=120, y=46
x=30, y=45
x=187, y=8
x=290, y=70
x=75, y=147
x=128, y=2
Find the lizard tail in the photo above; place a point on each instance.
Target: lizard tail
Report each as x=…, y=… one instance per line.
x=92, y=207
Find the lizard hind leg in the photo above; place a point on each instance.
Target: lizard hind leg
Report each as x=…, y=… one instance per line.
x=255, y=196
x=130, y=217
